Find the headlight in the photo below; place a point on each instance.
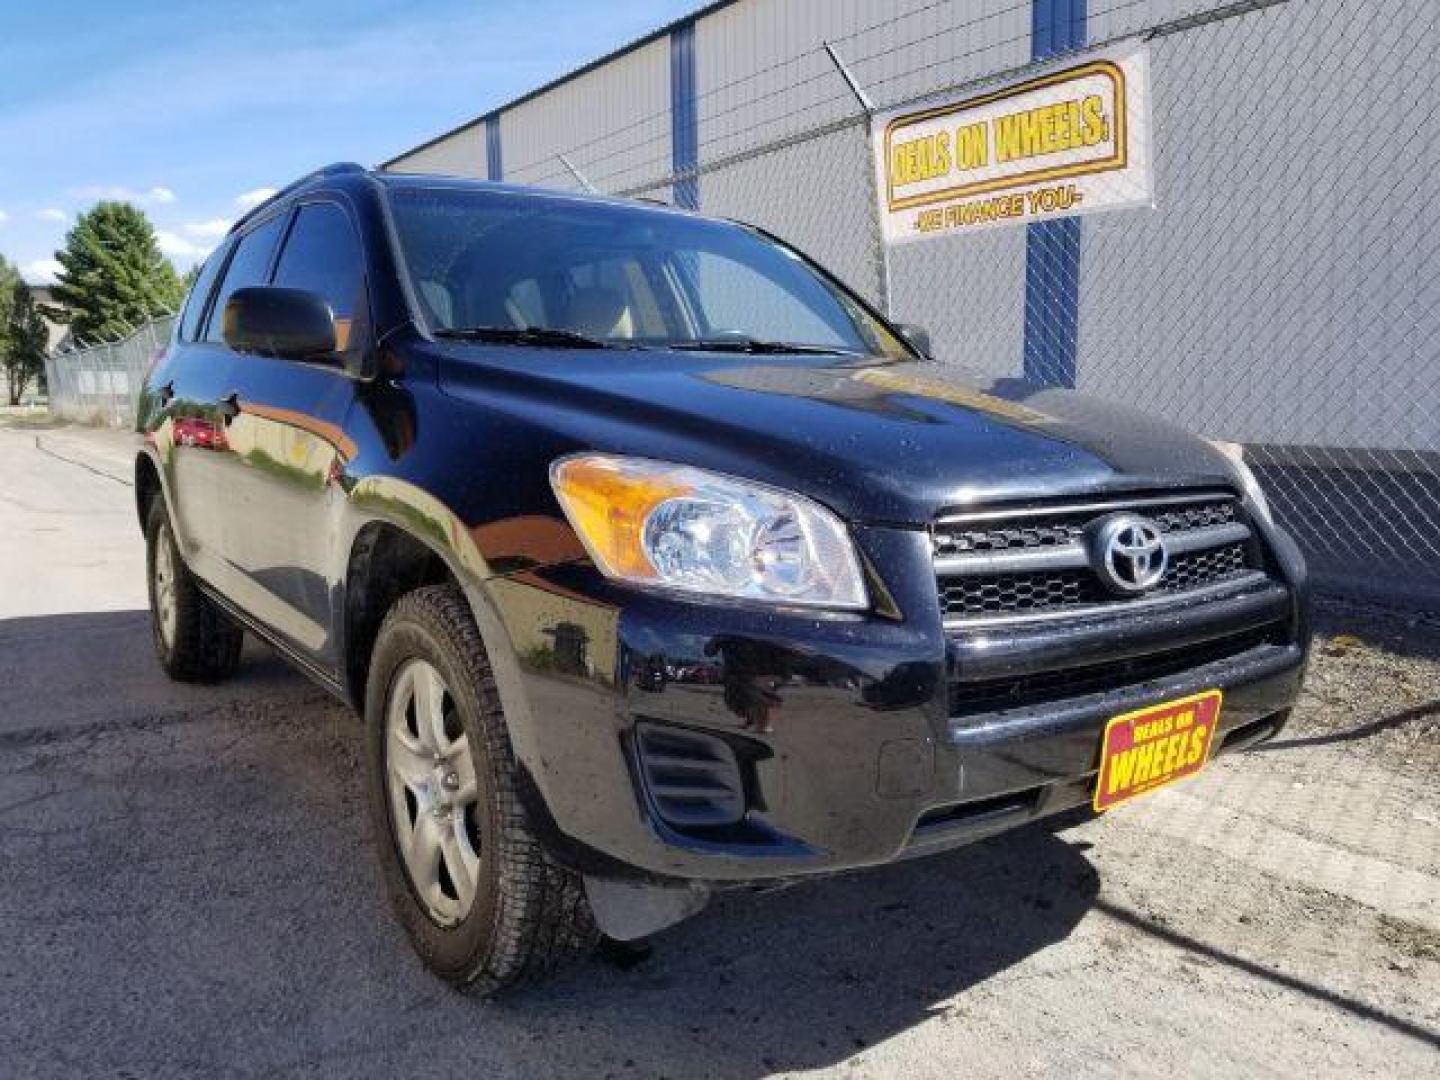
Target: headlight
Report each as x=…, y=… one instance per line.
x=675, y=527
x=1235, y=453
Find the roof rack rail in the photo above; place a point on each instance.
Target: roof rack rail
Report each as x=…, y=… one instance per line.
x=340, y=168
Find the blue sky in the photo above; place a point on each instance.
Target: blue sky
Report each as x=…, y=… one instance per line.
x=188, y=108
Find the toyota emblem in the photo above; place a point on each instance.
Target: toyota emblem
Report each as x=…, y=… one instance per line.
x=1128, y=553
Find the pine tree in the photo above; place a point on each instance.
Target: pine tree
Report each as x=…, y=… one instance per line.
x=113, y=275
x=23, y=341
x=9, y=278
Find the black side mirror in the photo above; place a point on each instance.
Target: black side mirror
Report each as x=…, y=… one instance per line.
x=290, y=324
x=917, y=337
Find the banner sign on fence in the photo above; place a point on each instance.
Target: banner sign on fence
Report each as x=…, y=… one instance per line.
x=1071, y=140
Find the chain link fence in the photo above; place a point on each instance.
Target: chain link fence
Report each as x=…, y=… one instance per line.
x=100, y=384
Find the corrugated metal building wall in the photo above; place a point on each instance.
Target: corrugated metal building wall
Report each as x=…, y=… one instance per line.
x=1279, y=293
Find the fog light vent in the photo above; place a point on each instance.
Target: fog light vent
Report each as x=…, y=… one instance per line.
x=693, y=780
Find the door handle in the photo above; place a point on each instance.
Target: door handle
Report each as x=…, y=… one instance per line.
x=230, y=406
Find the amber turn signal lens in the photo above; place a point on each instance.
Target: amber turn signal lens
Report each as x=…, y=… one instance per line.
x=608, y=504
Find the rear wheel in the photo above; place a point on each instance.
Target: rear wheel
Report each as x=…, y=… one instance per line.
x=194, y=640
x=483, y=903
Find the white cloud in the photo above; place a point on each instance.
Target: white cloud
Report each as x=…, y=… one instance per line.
x=213, y=229
x=4, y=217
x=248, y=200
x=41, y=271
x=155, y=196
x=177, y=247
x=51, y=213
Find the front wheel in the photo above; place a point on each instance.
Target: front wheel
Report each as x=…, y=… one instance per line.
x=484, y=904
x=194, y=640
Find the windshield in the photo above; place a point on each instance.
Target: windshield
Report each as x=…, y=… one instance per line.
x=536, y=269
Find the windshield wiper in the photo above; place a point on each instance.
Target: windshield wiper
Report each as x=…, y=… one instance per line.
x=755, y=345
x=527, y=335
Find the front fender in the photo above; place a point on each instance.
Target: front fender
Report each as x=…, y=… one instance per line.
x=510, y=608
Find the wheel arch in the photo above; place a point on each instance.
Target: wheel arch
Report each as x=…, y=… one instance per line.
x=385, y=562
x=392, y=519
x=148, y=486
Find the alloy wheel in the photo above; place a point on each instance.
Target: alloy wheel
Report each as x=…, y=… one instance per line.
x=433, y=792
x=167, y=611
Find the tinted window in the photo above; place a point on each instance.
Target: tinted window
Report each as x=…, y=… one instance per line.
x=739, y=299
x=483, y=259
x=195, y=302
x=608, y=298
x=249, y=266
x=322, y=255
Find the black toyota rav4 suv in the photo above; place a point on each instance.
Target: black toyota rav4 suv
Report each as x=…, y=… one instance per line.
x=658, y=562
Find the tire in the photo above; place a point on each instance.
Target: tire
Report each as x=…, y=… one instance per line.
x=194, y=640
x=526, y=916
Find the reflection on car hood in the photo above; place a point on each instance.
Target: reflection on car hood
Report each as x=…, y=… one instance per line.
x=877, y=441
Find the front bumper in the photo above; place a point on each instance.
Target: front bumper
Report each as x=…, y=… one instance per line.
x=841, y=727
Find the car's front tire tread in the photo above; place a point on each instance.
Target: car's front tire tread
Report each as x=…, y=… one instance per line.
x=541, y=921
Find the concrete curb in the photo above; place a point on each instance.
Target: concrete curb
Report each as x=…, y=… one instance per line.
x=108, y=454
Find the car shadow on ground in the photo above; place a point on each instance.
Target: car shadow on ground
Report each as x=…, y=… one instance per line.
x=813, y=975
x=97, y=670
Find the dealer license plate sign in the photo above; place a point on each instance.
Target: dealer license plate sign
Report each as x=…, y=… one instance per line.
x=1155, y=746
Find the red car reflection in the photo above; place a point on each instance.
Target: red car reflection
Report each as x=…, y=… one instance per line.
x=202, y=434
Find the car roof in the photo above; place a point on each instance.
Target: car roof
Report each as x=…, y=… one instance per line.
x=347, y=174
x=401, y=181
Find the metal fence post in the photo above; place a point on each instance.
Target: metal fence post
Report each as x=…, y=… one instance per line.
x=579, y=176
x=877, y=226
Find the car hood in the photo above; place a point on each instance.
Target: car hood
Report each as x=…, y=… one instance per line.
x=880, y=442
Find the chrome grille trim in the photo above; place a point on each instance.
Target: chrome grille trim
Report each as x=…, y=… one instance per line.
x=1118, y=503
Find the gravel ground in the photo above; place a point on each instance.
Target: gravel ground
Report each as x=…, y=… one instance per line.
x=188, y=888
x=1375, y=679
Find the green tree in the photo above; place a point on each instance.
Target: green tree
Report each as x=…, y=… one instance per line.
x=113, y=276
x=22, y=342
x=8, y=277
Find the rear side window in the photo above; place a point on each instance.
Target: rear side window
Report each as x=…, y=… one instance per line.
x=249, y=266
x=199, y=293
x=322, y=255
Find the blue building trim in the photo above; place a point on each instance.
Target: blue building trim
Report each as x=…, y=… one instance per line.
x=494, y=163
x=684, y=117
x=1052, y=248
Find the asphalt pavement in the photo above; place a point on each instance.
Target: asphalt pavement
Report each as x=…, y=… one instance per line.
x=187, y=889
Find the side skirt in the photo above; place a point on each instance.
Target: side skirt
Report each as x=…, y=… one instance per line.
x=324, y=679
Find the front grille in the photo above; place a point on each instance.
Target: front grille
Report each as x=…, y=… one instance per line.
x=1204, y=568
x=1068, y=526
x=1001, y=593
x=1029, y=689
x=957, y=541
x=1033, y=561
x=1195, y=516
